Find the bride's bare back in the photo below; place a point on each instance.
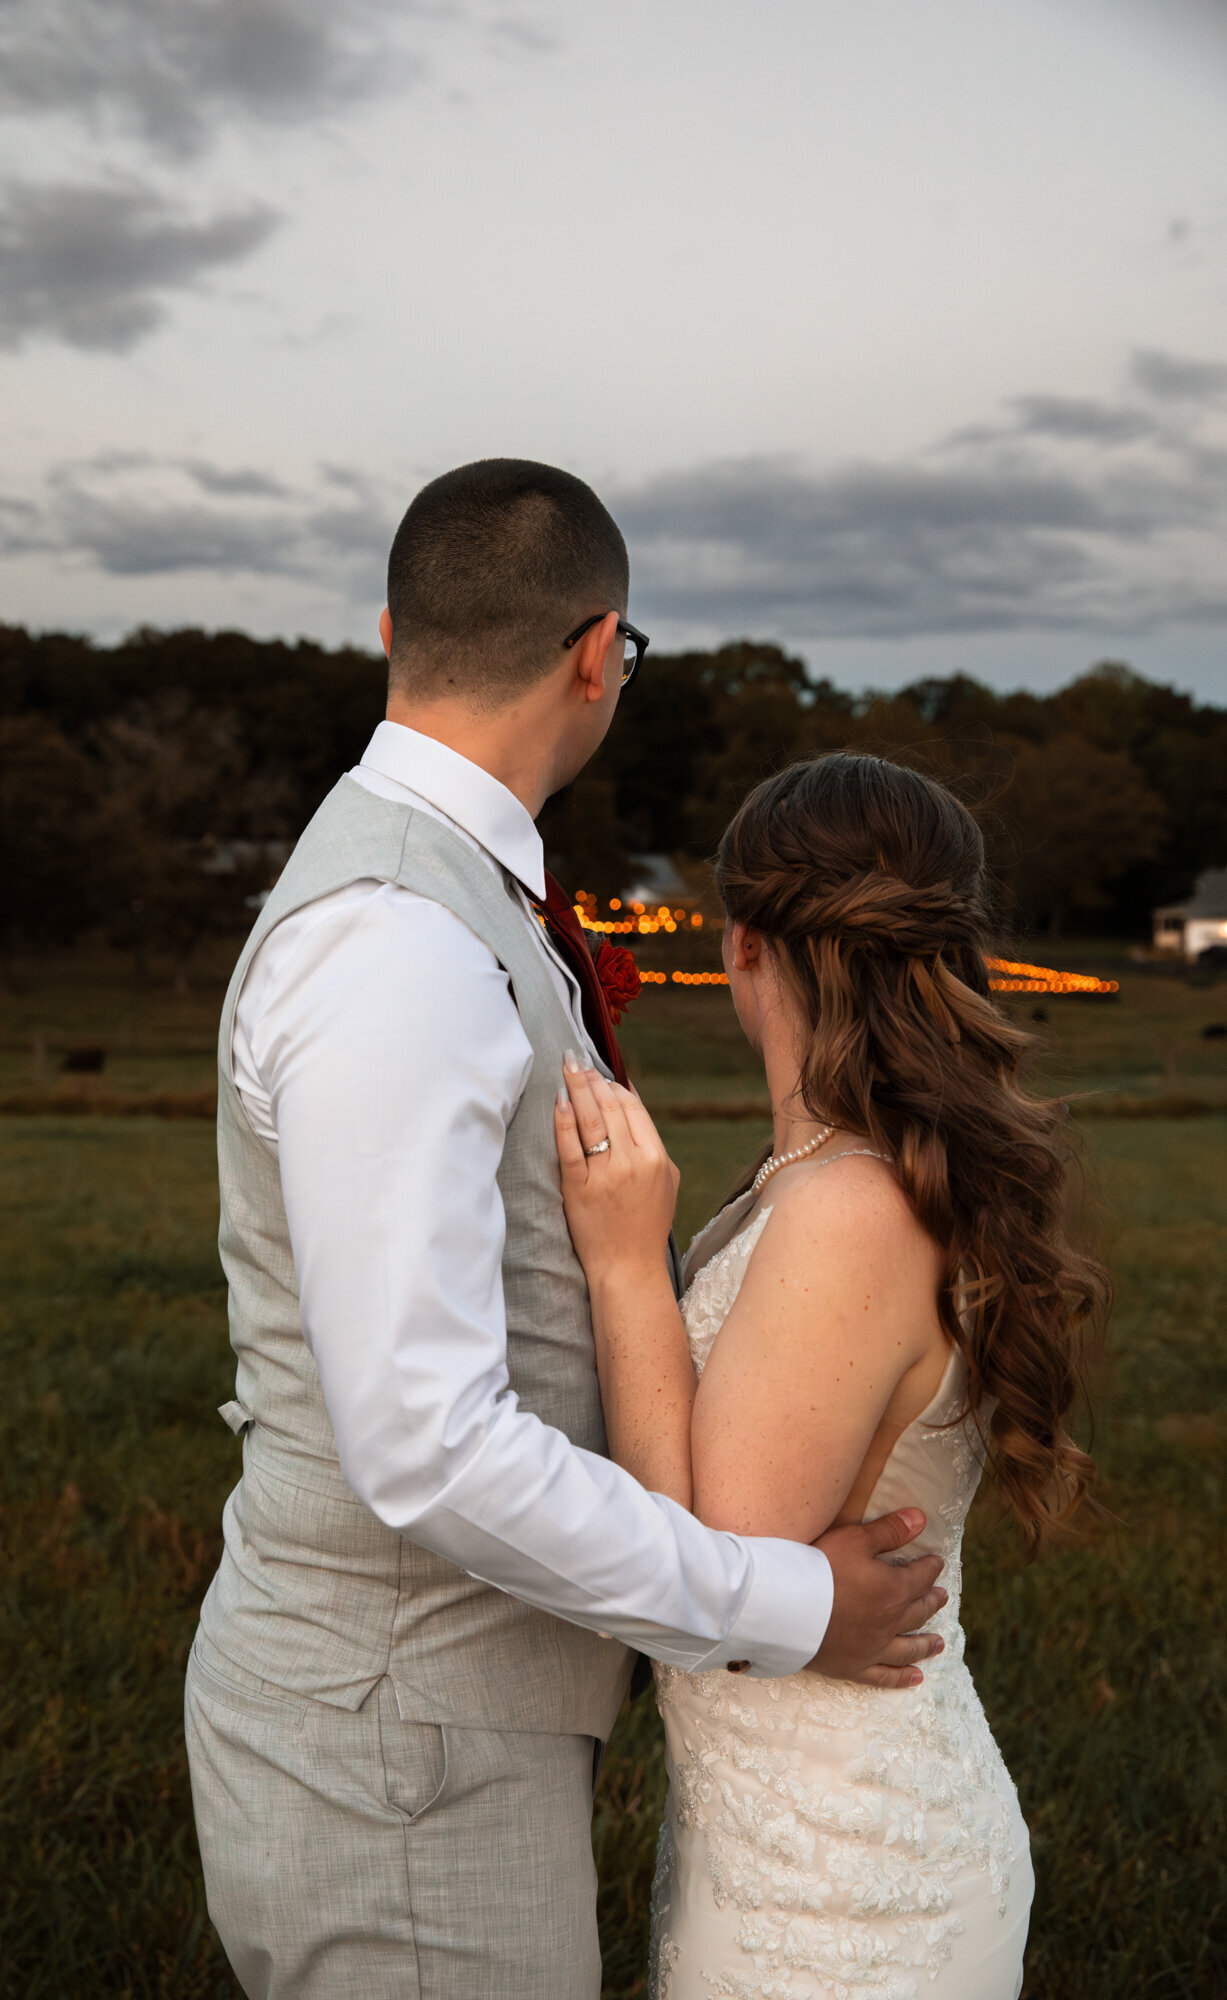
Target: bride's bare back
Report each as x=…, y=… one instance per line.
x=832, y=1347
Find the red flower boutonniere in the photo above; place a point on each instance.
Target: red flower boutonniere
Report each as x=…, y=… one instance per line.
x=619, y=977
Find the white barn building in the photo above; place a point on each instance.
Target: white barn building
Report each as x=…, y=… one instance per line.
x=1200, y=921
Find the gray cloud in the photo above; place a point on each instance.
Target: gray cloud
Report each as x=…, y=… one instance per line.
x=1177, y=378
x=131, y=515
x=1078, y=417
x=168, y=69
x=512, y=34
x=1068, y=515
x=174, y=71
x=90, y=264
x=241, y=484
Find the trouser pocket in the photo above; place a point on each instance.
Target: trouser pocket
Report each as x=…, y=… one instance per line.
x=415, y=1758
x=220, y=1681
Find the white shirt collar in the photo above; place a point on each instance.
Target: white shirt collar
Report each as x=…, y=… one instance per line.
x=486, y=810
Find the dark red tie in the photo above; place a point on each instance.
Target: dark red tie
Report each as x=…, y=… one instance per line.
x=571, y=943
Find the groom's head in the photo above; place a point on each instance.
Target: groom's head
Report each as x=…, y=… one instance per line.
x=493, y=565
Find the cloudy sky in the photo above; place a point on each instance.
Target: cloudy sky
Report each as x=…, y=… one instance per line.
x=892, y=329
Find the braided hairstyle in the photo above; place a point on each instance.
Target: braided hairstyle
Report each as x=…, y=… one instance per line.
x=868, y=881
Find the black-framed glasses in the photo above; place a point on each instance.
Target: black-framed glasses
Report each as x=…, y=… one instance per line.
x=635, y=643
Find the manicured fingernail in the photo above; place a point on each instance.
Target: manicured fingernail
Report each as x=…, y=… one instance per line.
x=562, y=1100
x=940, y=1646
x=572, y=1062
x=914, y=1679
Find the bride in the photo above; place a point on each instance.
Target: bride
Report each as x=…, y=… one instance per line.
x=886, y=1306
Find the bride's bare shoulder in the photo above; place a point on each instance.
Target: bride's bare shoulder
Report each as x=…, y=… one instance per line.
x=849, y=1205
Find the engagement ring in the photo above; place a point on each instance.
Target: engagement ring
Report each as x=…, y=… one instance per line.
x=602, y=1146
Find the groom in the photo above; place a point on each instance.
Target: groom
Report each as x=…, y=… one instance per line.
x=433, y=1580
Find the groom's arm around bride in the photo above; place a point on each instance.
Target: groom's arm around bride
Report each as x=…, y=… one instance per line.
x=433, y=1577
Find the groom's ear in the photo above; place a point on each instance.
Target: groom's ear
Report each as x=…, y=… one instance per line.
x=385, y=631
x=592, y=664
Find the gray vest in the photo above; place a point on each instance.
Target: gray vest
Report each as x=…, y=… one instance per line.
x=314, y=1593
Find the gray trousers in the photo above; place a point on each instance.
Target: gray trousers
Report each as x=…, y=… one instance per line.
x=355, y=1856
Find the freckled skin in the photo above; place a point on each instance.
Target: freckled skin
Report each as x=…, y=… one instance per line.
x=766, y=1458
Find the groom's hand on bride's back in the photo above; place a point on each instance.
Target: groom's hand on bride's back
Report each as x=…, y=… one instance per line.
x=873, y=1635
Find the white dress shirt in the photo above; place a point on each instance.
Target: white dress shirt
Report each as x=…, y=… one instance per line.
x=378, y=1052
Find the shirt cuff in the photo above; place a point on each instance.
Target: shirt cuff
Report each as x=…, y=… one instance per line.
x=783, y=1616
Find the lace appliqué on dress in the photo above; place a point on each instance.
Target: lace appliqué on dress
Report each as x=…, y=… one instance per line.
x=714, y=1290
x=662, y=1947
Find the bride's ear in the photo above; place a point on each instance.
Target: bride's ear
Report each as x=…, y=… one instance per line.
x=748, y=947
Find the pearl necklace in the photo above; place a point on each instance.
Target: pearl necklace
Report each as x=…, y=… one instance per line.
x=772, y=1166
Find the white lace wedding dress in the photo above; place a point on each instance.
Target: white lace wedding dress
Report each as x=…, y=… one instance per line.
x=826, y=1841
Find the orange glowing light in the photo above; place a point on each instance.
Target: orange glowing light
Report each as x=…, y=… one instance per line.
x=1024, y=978
x=1012, y=975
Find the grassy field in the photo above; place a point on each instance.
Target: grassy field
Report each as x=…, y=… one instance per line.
x=1102, y=1668
x=682, y=1045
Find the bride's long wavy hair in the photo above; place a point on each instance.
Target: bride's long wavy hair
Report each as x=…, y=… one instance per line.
x=868, y=880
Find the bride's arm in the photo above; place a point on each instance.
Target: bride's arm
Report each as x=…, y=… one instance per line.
x=619, y=1207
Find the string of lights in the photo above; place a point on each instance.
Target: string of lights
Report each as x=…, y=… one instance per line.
x=634, y=919
x=646, y=920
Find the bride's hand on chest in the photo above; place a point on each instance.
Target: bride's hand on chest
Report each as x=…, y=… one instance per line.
x=619, y=1186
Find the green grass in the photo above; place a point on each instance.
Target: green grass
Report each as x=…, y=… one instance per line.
x=687, y=1044
x=154, y=1038
x=681, y=1043
x=114, y=1358
x=1102, y=1668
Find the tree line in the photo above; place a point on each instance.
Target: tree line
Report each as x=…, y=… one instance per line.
x=149, y=790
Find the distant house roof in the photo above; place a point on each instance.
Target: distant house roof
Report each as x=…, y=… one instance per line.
x=655, y=875
x=1208, y=898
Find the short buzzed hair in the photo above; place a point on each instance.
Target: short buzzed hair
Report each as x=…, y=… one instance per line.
x=492, y=566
